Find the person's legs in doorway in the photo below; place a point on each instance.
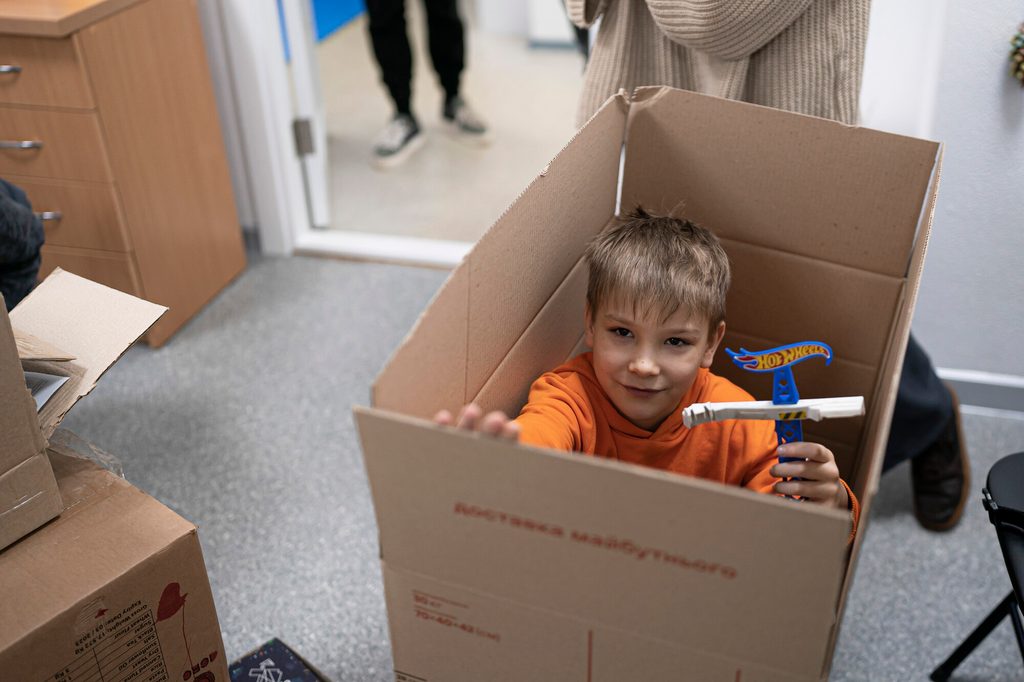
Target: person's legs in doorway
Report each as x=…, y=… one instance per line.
x=447, y=42
x=390, y=40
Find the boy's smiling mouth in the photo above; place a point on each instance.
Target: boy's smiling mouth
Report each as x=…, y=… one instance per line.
x=644, y=392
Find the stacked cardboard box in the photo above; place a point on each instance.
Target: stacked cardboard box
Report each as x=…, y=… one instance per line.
x=114, y=589
x=68, y=326
x=103, y=591
x=504, y=562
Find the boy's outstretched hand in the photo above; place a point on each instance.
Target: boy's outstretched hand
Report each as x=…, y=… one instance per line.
x=819, y=472
x=472, y=418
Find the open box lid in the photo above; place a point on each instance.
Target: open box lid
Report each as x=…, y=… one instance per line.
x=68, y=315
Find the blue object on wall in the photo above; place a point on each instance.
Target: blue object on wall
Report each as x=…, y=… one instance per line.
x=328, y=17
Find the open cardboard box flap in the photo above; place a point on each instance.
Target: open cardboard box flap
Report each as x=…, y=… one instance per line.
x=92, y=323
x=826, y=226
x=19, y=431
x=33, y=348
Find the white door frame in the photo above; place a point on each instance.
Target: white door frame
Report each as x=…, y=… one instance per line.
x=261, y=87
x=309, y=106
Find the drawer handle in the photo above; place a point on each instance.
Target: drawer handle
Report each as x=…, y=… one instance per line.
x=49, y=215
x=21, y=144
x=9, y=68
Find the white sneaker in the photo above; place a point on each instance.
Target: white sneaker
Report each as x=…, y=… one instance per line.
x=397, y=142
x=465, y=124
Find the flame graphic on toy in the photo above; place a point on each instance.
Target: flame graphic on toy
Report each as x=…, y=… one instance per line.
x=783, y=356
x=172, y=601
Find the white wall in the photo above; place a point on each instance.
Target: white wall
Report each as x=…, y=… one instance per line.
x=970, y=312
x=501, y=17
x=940, y=70
x=901, y=71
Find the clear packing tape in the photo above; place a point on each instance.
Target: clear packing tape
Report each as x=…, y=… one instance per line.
x=67, y=442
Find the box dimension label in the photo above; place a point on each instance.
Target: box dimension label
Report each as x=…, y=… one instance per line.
x=123, y=648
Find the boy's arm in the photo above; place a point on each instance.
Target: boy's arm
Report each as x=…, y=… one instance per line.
x=554, y=417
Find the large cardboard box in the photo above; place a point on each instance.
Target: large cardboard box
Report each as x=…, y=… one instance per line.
x=115, y=589
x=68, y=326
x=503, y=562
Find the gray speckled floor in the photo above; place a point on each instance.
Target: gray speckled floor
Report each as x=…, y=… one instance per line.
x=242, y=424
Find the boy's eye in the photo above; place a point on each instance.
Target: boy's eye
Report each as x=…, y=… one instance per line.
x=621, y=331
x=676, y=341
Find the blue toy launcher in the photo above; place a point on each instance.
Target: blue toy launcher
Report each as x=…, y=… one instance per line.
x=780, y=361
x=785, y=407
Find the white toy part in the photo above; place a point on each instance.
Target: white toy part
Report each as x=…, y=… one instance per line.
x=814, y=409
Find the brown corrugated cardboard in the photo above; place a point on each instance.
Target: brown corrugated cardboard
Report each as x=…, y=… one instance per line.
x=32, y=348
x=506, y=562
x=28, y=498
x=93, y=323
x=115, y=589
x=67, y=326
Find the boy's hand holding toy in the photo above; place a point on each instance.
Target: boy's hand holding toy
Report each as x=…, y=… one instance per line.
x=815, y=466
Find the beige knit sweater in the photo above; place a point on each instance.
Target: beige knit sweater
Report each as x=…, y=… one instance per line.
x=800, y=55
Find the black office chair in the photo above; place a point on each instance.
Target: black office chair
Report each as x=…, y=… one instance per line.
x=1003, y=497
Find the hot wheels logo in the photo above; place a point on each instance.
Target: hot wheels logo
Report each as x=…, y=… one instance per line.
x=783, y=356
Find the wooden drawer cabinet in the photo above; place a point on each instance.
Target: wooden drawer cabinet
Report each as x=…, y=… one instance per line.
x=43, y=72
x=113, y=269
x=78, y=215
x=114, y=102
x=70, y=144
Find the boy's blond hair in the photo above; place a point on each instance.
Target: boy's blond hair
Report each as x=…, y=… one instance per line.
x=658, y=264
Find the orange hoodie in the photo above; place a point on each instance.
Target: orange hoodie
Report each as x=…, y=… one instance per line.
x=568, y=410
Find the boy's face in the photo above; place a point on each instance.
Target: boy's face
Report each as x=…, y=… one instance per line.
x=646, y=366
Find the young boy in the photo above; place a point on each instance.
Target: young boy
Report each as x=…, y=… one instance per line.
x=655, y=315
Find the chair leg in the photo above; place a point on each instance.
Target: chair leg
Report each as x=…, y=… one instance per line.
x=1018, y=627
x=942, y=673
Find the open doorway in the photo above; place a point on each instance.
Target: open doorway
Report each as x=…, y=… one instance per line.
x=448, y=192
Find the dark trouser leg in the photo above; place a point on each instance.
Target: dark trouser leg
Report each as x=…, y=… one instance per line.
x=447, y=44
x=391, y=48
x=923, y=408
x=582, y=42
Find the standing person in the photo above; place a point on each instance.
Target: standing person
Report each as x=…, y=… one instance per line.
x=446, y=37
x=804, y=56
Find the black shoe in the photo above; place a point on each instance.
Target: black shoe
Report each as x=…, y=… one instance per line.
x=941, y=476
x=464, y=123
x=397, y=141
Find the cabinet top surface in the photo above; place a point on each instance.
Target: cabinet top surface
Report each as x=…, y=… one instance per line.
x=54, y=18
